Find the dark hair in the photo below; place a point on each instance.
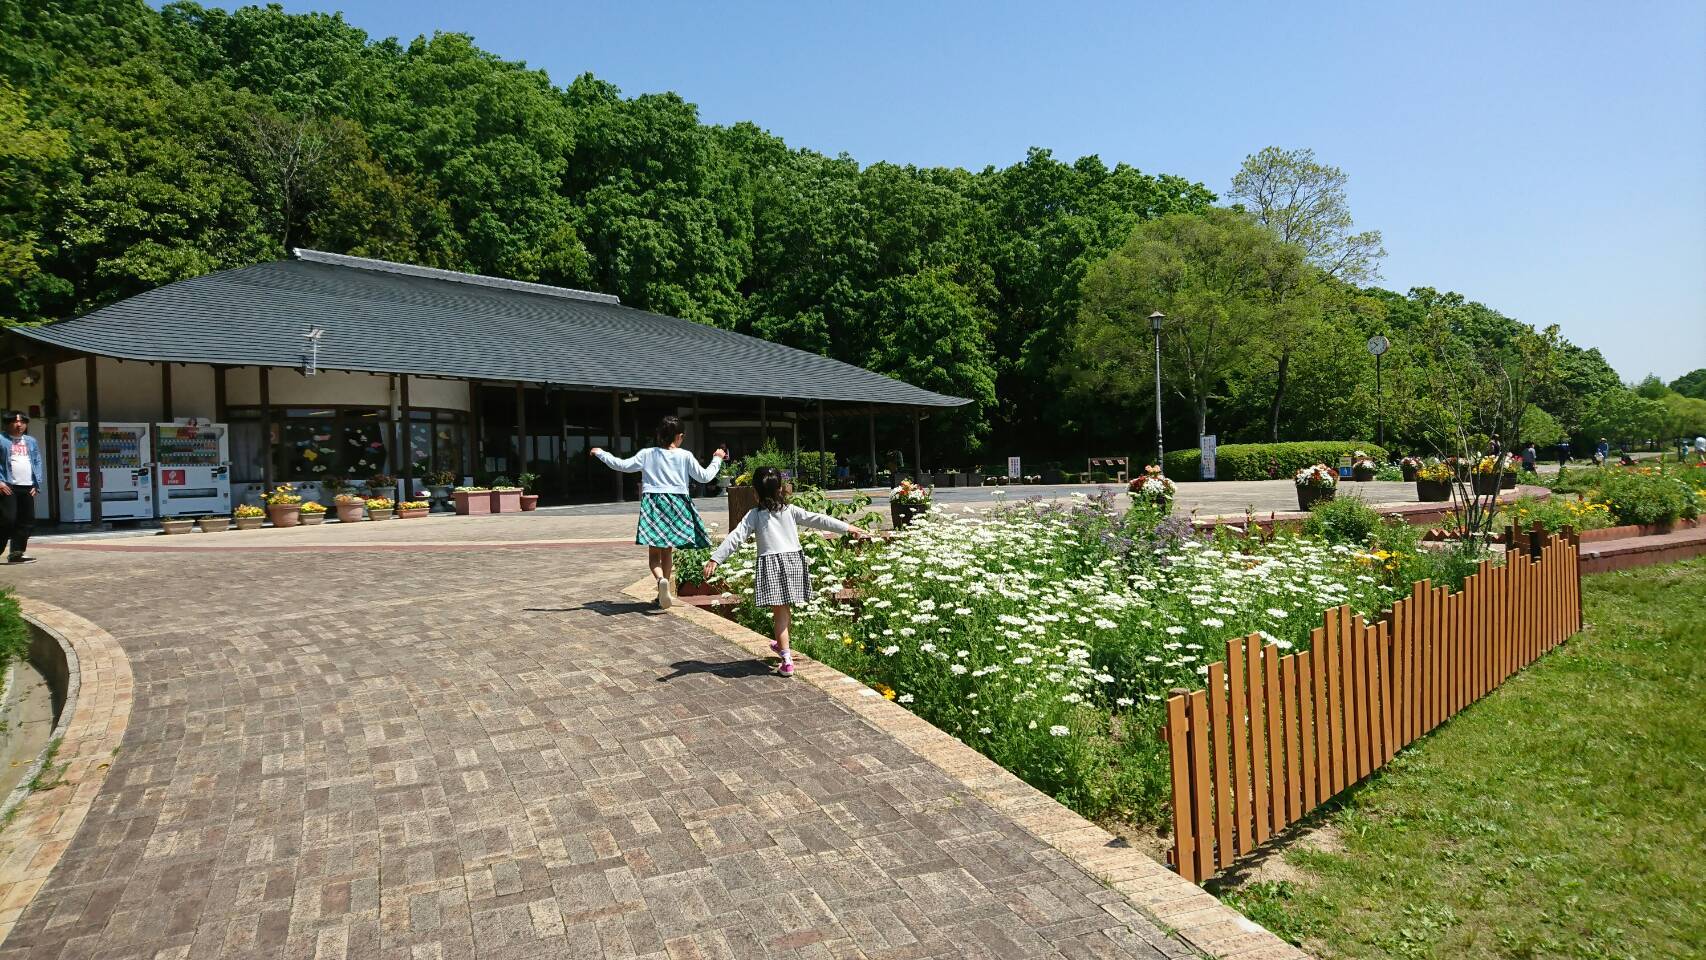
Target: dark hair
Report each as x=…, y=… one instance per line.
x=668, y=429
x=12, y=416
x=772, y=491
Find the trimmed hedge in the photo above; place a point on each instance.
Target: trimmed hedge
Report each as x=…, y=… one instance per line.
x=1266, y=461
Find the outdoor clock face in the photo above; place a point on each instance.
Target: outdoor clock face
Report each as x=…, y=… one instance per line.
x=1378, y=345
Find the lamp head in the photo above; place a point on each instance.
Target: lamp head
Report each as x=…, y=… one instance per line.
x=1155, y=320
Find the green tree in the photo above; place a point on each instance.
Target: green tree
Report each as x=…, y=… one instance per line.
x=1691, y=384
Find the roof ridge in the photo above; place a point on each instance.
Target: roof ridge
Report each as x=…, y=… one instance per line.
x=453, y=276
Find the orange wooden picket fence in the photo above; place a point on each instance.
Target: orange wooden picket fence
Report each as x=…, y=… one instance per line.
x=1275, y=735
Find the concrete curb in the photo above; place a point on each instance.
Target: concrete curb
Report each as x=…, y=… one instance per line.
x=91, y=726
x=1165, y=899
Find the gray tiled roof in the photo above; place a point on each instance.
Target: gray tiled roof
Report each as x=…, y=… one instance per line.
x=395, y=318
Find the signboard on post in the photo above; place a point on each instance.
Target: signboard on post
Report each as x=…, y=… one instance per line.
x=1013, y=468
x=1206, y=442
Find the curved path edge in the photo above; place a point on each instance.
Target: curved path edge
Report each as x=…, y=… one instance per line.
x=1166, y=899
x=91, y=726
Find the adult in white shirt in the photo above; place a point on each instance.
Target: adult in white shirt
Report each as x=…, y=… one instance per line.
x=21, y=474
x=667, y=517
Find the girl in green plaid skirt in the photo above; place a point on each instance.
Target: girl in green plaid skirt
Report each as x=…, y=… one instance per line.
x=667, y=517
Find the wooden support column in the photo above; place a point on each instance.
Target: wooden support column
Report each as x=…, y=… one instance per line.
x=476, y=430
x=520, y=432
x=917, y=450
x=763, y=420
x=871, y=424
x=563, y=442
x=166, y=392
x=615, y=435
x=49, y=414
x=822, y=447
x=219, y=410
x=407, y=444
x=90, y=368
x=266, y=430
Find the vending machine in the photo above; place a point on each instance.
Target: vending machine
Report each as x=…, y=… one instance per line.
x=192, y=468
x=127, y=484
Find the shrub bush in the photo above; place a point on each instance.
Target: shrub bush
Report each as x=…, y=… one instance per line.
x=1266, y=461
x=1342, y=521
x=1557, y=512
x=1646, y=497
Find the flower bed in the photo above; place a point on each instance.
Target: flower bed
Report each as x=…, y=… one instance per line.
x=1047, y=637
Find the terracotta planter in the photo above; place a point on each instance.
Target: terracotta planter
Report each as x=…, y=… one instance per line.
x=213, y=524
x=506, y=501
x=176, y=525
x=390, y=514
x=902, y=514
x=1362, y=474
x=1309, y=496
x=1409, y=473
x=529, y=501
x=1486, y=484
x=250, y=523
x=351, y=512
x=742, y=500
x=1433, y=491
x=414, y=513
x=285, y=514
x=313, y=519
x=477, y=503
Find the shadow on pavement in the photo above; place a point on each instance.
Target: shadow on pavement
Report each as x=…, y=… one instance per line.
x=728, y=669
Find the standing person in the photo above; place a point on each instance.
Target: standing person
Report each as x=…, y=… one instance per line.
x=1497, y=447
x=1529, y=456
x=1700, y=449
x=21, y=476
x=1563, y=454
x=667, y=517
x=783, y=578
x=1602, y=452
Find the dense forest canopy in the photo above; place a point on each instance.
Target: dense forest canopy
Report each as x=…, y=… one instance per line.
x=141, y=146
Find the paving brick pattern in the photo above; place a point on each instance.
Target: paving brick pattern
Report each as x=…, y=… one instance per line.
x=495, y=753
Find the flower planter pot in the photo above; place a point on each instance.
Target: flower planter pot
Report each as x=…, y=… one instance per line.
x=1486, y=484
x=313, y=519
x=1433, y=491
x=1362, y=474
x=285, y=515
x=902, y=514
x=1309, y=496
x=473, y=504
x=414, y=513
x=1409, y=473
x=250, y=523
x=529, y=501
x=742, y=500
x=506, y=501
x=177, y=525
x=1507, y=481
x=383, y=514
x=213, y=524
x=440, y=498
x=351, y=512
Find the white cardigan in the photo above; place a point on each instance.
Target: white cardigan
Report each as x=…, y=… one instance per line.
x=663, y=469
x=777, y=532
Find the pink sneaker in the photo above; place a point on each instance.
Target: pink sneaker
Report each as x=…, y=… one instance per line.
x=775, y=648
x=785, y=668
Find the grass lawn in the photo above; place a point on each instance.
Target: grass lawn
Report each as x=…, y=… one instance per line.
x=1562, y=816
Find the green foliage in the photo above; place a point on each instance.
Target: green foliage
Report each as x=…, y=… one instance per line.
x=1539, y=428
x=1691, y=384
x=14, y=634
x=1557, y=512
x=1642, y=497
x=1345, y=520
x=1265, y=461
x=768, y=455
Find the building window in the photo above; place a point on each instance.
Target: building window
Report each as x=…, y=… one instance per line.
x=343, y=443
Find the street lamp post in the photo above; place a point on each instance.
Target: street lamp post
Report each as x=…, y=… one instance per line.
x=1155, y=320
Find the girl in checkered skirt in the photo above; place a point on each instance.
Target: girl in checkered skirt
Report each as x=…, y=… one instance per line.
x=783, y=577
x=667, y=517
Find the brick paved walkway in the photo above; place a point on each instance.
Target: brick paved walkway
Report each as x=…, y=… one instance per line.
x=494, y=753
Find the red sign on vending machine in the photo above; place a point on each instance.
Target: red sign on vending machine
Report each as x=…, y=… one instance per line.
x=171, y=478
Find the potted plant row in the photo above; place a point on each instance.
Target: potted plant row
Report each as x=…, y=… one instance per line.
x=413, y=509
x=350, y=507
x=1362, y=467
x=529, y=499
x=1487, y=477
x=249, y=516
x=1315, y=484
x=313, y=514
x=1410, y=466
x=473, y=501
x=381, y=508
x=284, y=505
x=439, y=486
x=1153, y=488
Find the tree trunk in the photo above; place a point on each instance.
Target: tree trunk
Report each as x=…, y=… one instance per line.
x=1202, y=416
x=1279, y=394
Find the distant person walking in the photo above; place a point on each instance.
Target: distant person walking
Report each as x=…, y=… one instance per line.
x=783, y=577
x=667, y=517
x=1563, y=454
x=1700, y=449
x=1529, y=457
x=21, y=476
x=1602, y=452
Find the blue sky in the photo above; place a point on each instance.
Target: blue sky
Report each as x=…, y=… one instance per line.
x=1547, y=159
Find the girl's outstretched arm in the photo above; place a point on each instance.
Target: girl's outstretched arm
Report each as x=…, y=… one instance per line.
x=823, y=521
x=628, y=465
x=708, y=472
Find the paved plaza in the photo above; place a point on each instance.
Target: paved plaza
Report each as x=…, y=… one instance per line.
x=457, y=737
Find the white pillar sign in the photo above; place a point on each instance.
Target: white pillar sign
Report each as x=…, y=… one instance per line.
x=1013, y=468
x=1206, y=442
